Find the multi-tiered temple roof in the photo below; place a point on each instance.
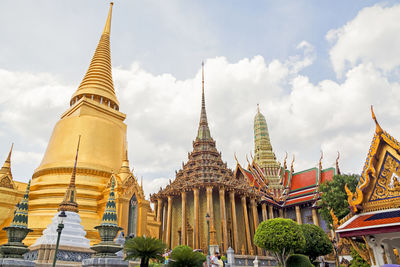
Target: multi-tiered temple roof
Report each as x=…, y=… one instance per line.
x=279, y=185
x=204, y=166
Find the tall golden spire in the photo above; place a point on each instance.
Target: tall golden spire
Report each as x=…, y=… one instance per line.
x=204, y=132
x=7, y=164
x=69, y=202
x=98, y=82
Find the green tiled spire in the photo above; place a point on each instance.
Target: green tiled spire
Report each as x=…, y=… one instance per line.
x=264, y=155
x=110, y=213
x=21, y=214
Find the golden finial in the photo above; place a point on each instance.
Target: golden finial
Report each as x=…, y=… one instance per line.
x=9, y=153
x=291, y=165
x=69, y=202
x=107, y=27
x=337, y=163
x=284, y=161
x=258, y=108
x=234, y=155
x=378, y=127
x=320, y=160
x=335, y=220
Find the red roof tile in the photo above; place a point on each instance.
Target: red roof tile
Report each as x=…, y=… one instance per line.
x=307, y=191
x=327, y=175
x=303, y=179
x=378, y=219
x=299, y=200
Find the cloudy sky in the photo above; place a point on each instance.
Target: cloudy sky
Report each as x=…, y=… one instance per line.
x=315, y=67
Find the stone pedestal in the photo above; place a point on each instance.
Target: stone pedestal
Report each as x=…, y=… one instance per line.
x=105, y=262
x=16, y=262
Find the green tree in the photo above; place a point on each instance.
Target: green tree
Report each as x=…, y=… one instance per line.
x=144, y=248
x=357, y=261
x=279, y=236
x=333, y=196
x=184, y=256
x=317, y=242
x=298, y=260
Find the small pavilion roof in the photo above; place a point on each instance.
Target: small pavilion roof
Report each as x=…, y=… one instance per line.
x=381, y=221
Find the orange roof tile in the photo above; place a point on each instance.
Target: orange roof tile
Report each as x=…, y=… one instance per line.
x=373, y=220
x=304, y=179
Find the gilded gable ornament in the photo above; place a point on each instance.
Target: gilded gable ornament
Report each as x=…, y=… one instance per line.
x=388, y=182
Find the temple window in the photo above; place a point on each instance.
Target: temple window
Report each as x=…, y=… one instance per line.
x=309, y=219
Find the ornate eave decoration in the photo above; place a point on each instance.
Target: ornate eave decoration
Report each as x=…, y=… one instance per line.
x=369, y=173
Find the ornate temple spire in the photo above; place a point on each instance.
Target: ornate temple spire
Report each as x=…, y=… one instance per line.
x=378, y=127
x=264, y=155
x=6, y=169
x=204, y=132
x=21, y=213
x=110, y=212
x=98, y=79
x=69, y=202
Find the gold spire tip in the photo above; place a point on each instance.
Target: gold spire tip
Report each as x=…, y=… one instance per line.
x=378, y=127
x=107, y=27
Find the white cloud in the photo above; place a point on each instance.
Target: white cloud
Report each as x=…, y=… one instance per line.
x=163, y=111
x=372, y=36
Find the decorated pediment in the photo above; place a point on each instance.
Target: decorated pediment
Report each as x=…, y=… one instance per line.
x=379, y=185
x=7, y=182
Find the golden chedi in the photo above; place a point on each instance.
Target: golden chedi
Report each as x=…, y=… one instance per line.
x=94, y=115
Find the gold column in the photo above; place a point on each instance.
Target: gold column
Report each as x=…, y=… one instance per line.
x=264, y=211
x=315, y=217
x=164, y=222
x=246, y=223
x=271, y=211
x=210, y=211
x=183, y=218
x=255, y=218
x=159, y=209
x=223, y=217
x=196, y=218
x=169, y=217
x=234, y=222
x=298, y=215
x=281, y=213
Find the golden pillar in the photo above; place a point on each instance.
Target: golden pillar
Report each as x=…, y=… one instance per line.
x=159, y=209
x=247, y=226
x=164, y=222
x=210, y=211
x=169, y=217
x=264, y=211
x=223, y=218
x=255, y=218
x=281, y=213
x=234, y=222
x=315, y=217
x=298, y=215
x=271, y=211
x=183, y=218
x=196, y=218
